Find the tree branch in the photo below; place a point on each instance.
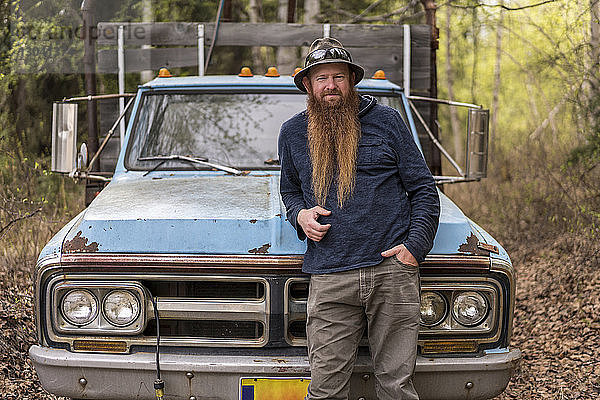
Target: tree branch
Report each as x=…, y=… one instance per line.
x=366, y=10
x=4, y=229
x=382, y=17
x=541, y=3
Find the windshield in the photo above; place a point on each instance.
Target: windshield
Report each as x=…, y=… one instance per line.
x=238, y=130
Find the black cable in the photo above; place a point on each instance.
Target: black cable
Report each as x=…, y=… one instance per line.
x=159, y=385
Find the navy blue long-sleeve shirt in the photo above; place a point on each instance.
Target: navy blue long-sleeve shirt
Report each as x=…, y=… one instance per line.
x=395, y=200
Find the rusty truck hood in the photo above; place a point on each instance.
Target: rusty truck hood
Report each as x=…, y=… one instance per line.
x=215, y=214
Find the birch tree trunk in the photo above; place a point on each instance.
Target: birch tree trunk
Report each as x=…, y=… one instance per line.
x=475, y=29
x=496, y=91
x=312, y=11
x=457, y=138
x=286, y=56
x=592, y=82
x=147, y=16
x=594, y=34
x=256, y=15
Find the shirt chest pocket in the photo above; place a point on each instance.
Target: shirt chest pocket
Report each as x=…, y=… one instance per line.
x=370, y=151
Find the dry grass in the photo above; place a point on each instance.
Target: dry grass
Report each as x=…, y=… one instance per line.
x=33, y=206
x=533, y=194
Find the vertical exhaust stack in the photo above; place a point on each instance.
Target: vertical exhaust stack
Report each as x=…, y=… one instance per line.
x=89, y=34
x=430, y=11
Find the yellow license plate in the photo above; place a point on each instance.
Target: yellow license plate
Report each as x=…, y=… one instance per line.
x=273, y=388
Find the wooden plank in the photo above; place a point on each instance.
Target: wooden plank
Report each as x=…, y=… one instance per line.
x=151, y=33
x=275, y=34
x=148, y=59
x=363, y=35
x=390, y=60
x=264, y=34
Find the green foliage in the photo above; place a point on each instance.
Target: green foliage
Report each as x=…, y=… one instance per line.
x=544, y=176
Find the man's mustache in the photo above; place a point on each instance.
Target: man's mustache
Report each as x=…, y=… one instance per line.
x=332, y=91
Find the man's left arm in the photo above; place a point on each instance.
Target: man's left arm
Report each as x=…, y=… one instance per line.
x=421, y=191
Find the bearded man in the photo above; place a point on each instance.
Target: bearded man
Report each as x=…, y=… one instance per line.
x=355, y=184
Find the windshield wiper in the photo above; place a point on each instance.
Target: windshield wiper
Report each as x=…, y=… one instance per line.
x=192, y=160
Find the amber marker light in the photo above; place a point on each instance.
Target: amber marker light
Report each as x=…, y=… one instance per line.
x=298, y=69
x=379, y=74
x=246, y=72
x=272, y=71
x=449, y=347
x=164, y=73
x=102, y=346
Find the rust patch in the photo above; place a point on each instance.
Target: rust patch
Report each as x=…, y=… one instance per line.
x=278, y=215
x=472, y=246
x=79, y=245
x=264, y=249
x=488, y=247
x=253, y=221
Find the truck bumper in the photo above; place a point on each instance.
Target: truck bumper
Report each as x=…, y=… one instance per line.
x=131, y=376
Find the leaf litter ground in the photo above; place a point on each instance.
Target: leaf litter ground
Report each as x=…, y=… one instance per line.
x=557, y=323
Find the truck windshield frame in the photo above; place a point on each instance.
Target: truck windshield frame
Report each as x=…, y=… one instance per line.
x=235, y=129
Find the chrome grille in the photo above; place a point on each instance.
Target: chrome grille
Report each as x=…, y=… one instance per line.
x=211, y=310
x=208, y=329
x=295, y=297
x=223, y=311
x=208, y=289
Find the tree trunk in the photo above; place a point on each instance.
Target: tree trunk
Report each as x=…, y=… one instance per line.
x=592, y=84
x=475, y=28
x=594, y=33
x=286, y=56
x=312, y=11
x=496, y=91
x=147, y=16
x=454, y=121
x=256, y=16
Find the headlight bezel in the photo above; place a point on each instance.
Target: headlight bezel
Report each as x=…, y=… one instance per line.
x=100, y=325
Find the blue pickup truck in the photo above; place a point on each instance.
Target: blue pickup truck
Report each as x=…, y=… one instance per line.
x=184, y=267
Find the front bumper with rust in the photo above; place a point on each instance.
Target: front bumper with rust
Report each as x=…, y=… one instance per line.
x=131, y=376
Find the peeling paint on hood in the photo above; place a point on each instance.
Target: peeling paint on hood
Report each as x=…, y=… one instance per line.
x=211, y=214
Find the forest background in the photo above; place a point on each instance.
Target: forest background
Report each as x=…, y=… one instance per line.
x=534, y=63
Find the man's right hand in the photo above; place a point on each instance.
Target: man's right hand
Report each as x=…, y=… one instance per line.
x=308, y=221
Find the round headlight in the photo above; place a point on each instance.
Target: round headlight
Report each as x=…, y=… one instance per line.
x=469, y=308
x=433, y=308
x=121, y=307
x=79, y=307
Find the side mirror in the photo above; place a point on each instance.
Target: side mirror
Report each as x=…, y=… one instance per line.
x=82, y=157
x=64, y=137
x=477, y=143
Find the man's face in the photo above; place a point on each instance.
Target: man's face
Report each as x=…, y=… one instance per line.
x=329, y=82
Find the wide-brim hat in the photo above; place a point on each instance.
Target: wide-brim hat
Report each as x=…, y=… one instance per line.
x=326, y=51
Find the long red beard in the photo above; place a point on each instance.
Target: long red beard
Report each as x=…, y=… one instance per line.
x=333, y=135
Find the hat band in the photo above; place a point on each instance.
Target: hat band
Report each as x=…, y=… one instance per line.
x=333, y=53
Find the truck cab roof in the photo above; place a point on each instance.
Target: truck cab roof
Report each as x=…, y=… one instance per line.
x=258, y=82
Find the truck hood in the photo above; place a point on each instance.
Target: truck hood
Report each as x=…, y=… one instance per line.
x=214, y=214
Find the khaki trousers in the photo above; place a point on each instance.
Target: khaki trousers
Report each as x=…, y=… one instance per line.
x=384, y=299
